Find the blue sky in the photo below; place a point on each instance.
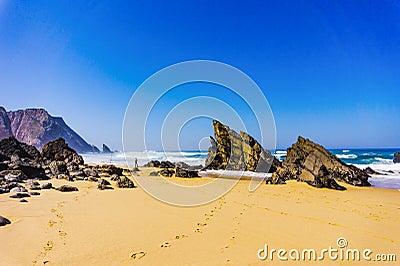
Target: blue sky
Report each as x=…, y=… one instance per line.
x=329, y=69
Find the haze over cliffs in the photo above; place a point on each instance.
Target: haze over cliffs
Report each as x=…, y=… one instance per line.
x=37, y=127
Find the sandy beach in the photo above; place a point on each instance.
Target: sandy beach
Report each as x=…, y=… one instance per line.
x=128, y=226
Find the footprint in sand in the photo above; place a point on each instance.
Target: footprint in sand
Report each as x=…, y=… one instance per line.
x=166, y=245
x=51, y=223
x=138, y=255
x=62, y=233
x=201, y=224
x=198, y=230
x=60, y=216
x=180, y=236
x=53, y=210
x=49, y=245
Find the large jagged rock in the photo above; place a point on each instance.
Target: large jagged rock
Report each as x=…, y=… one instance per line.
x=312, y=163
x=21, y=156
x=58, y=150
x=396, y=157
x=37, y=127
x=106, y=149
x=12, y=147
x=232, y=151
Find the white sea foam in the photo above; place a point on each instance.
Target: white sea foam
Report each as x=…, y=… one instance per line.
x=347, y=156
x=345, y=150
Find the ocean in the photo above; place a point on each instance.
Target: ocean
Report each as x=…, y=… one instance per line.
x=380, y=160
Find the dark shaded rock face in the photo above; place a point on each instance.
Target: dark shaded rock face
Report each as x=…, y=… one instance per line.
x=154, y=163
x=106, y=149
x=36, y=127
x=22, y=157
x=11, y=146
x=5, y=124
x=312, y=163
x=4, y=221
x=232, y=151
x=396, y=157
x=180, y=172
x=58, y=150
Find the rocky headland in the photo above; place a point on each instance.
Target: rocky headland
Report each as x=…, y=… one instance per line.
x=36, y=127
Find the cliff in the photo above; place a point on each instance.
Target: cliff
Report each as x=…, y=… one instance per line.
x=37, y=127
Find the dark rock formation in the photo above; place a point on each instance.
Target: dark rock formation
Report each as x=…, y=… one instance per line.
x=180, y=172
x=232, y=151
x=36, y=127
x=166, y=164
x=4, y=221
x=312, y=163
x=110, y=169
x=153, y=163
x=124, y=182
x=106, y=149
x=396, y=157
x=22, y=157
x=167, y=172
x=371, y=171
x=67, y=188
x=58, y=150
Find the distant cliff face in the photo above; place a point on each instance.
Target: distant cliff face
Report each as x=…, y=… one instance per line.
x=36, y=127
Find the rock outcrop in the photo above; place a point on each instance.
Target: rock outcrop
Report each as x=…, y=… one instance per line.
x=59, y=150
x=20, y=157
x=396, y=157
x=5, y=124
x=36, y=127
x=106, y=149
x=232, y=151
x=312, y=163
x=4, y=221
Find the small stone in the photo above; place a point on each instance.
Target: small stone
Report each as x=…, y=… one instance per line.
x=23, y=200
x=4, y=221
x=67, y=188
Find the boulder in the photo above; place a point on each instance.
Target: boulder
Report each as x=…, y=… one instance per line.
x=232, y=151
x=124, y=182
x=166, y=164
x=154, y=173
x=167, y=172
x=46, y=186
x=58, y=150
x=18, y=174
x=153, y=163
x=371, y=171
x=311, y=163
x=11, y=146
x=67, y=188
x=104, y=184
x=4, y=221
x=180, y=172
x=396, y=157
x=90, y=172
x=110, y=169
x=20, y=195
x=58, y=168
x=22, y=157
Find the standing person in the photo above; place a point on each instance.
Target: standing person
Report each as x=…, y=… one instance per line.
x=136, y=164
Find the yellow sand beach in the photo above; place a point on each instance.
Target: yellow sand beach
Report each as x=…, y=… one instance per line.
x=128, y=226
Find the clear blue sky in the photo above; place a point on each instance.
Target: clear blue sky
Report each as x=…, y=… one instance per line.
x=329, y=69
